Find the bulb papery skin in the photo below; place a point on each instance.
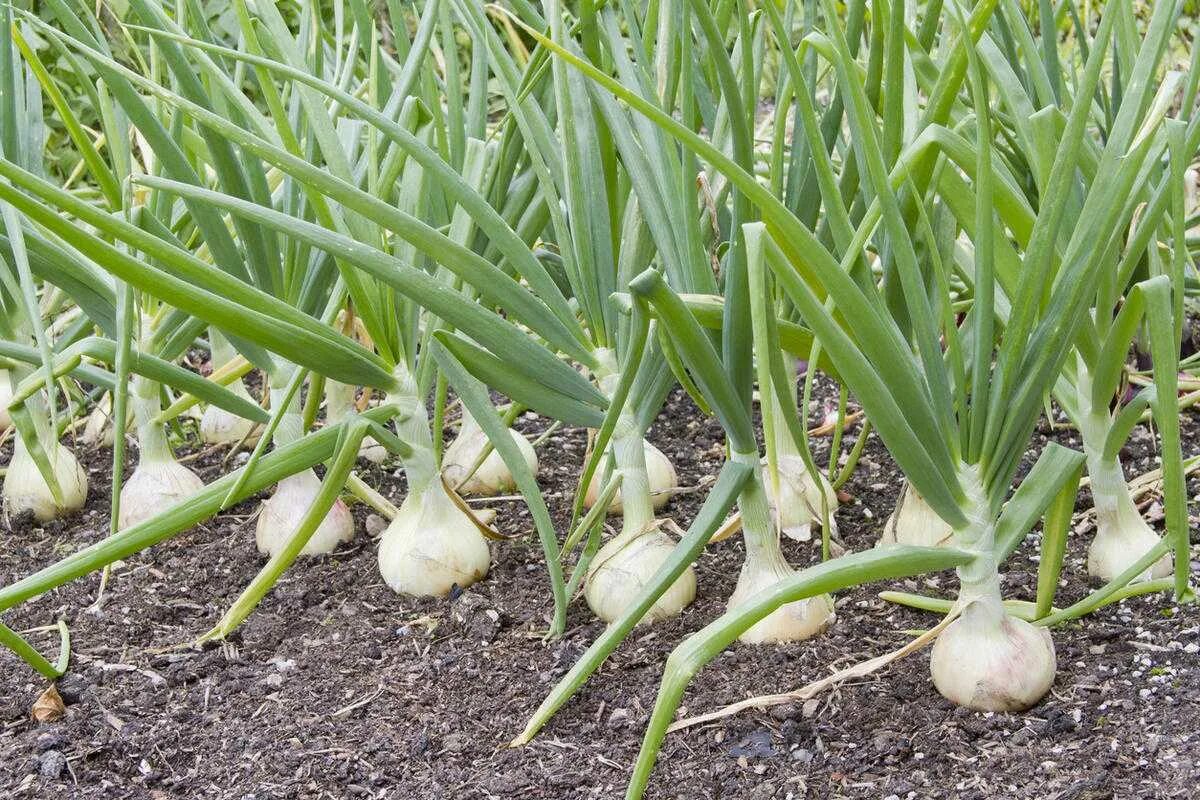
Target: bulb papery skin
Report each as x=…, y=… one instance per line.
x=154, y=487
x=1121, y=541
x=25, y=491
x=431, y=546
x=218, y=426
x=798, y=506
x=914, y=522
x=987, y=660
x=660, y=474
x=283, y=511
x=623, y=567
x=792, y=622
x=493, y=476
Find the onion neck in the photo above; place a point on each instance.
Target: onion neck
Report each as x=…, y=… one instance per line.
x=412, y=428
x=1110, y=491
x=628, y=448
x=781, y=437
x=979, y=579
x=151, y=437
x=758, y=529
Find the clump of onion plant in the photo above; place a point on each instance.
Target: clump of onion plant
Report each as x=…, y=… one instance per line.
x=795, y=497
x=987, y=659
x=493, y=476
x=25, y=491
x=797, y=501
x=765, y=566
x=1122, y=534
x=281, y=514
x=159, y=481
x=627, y=561
x=432, y=544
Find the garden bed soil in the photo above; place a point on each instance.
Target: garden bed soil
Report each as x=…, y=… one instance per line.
x=336, y=687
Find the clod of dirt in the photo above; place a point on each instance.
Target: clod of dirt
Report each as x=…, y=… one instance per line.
x=474, y=616
x=51, y=764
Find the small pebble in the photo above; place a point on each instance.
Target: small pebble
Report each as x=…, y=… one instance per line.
x=376, y=524
x=51, y=764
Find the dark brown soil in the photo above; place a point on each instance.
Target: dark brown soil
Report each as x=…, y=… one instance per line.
x=336, y=687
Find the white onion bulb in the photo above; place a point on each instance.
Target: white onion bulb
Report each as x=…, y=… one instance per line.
x=987, y=660
x=914, y=522
x=154, y=487
x=339, y=403
x=798, y=506
x=282, y=512
x=493, y=476
x=620, y=570
x=1123, y=537
x=218, y=426
x=432, y=545
x=660, y=474
x=372, y=451
x=26, y=491
x=792, y=622
x=98, y=430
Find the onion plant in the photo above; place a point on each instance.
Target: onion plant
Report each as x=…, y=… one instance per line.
x=359, y=207
x=954, y=401
x=579, y=152
x=47, y=480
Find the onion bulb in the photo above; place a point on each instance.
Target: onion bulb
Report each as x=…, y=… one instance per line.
x=25, y=491
x=155, y=486
x=282, y=512
x=339, y=403
x=493, y=476
x=914, y=522
x=1122, y=535
x=623, y=567
x=988, y=660
x=798, y=505
x=218, y=426
x=98, y=430
x=432, y=545
x=659, y=472
x=792, y=622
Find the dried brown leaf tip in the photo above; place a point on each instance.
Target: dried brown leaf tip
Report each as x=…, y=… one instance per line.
x=49, y=705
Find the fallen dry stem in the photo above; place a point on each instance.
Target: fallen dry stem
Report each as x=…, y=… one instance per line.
x=859, y=670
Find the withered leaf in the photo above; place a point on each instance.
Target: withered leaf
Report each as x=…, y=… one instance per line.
x=49, y=705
